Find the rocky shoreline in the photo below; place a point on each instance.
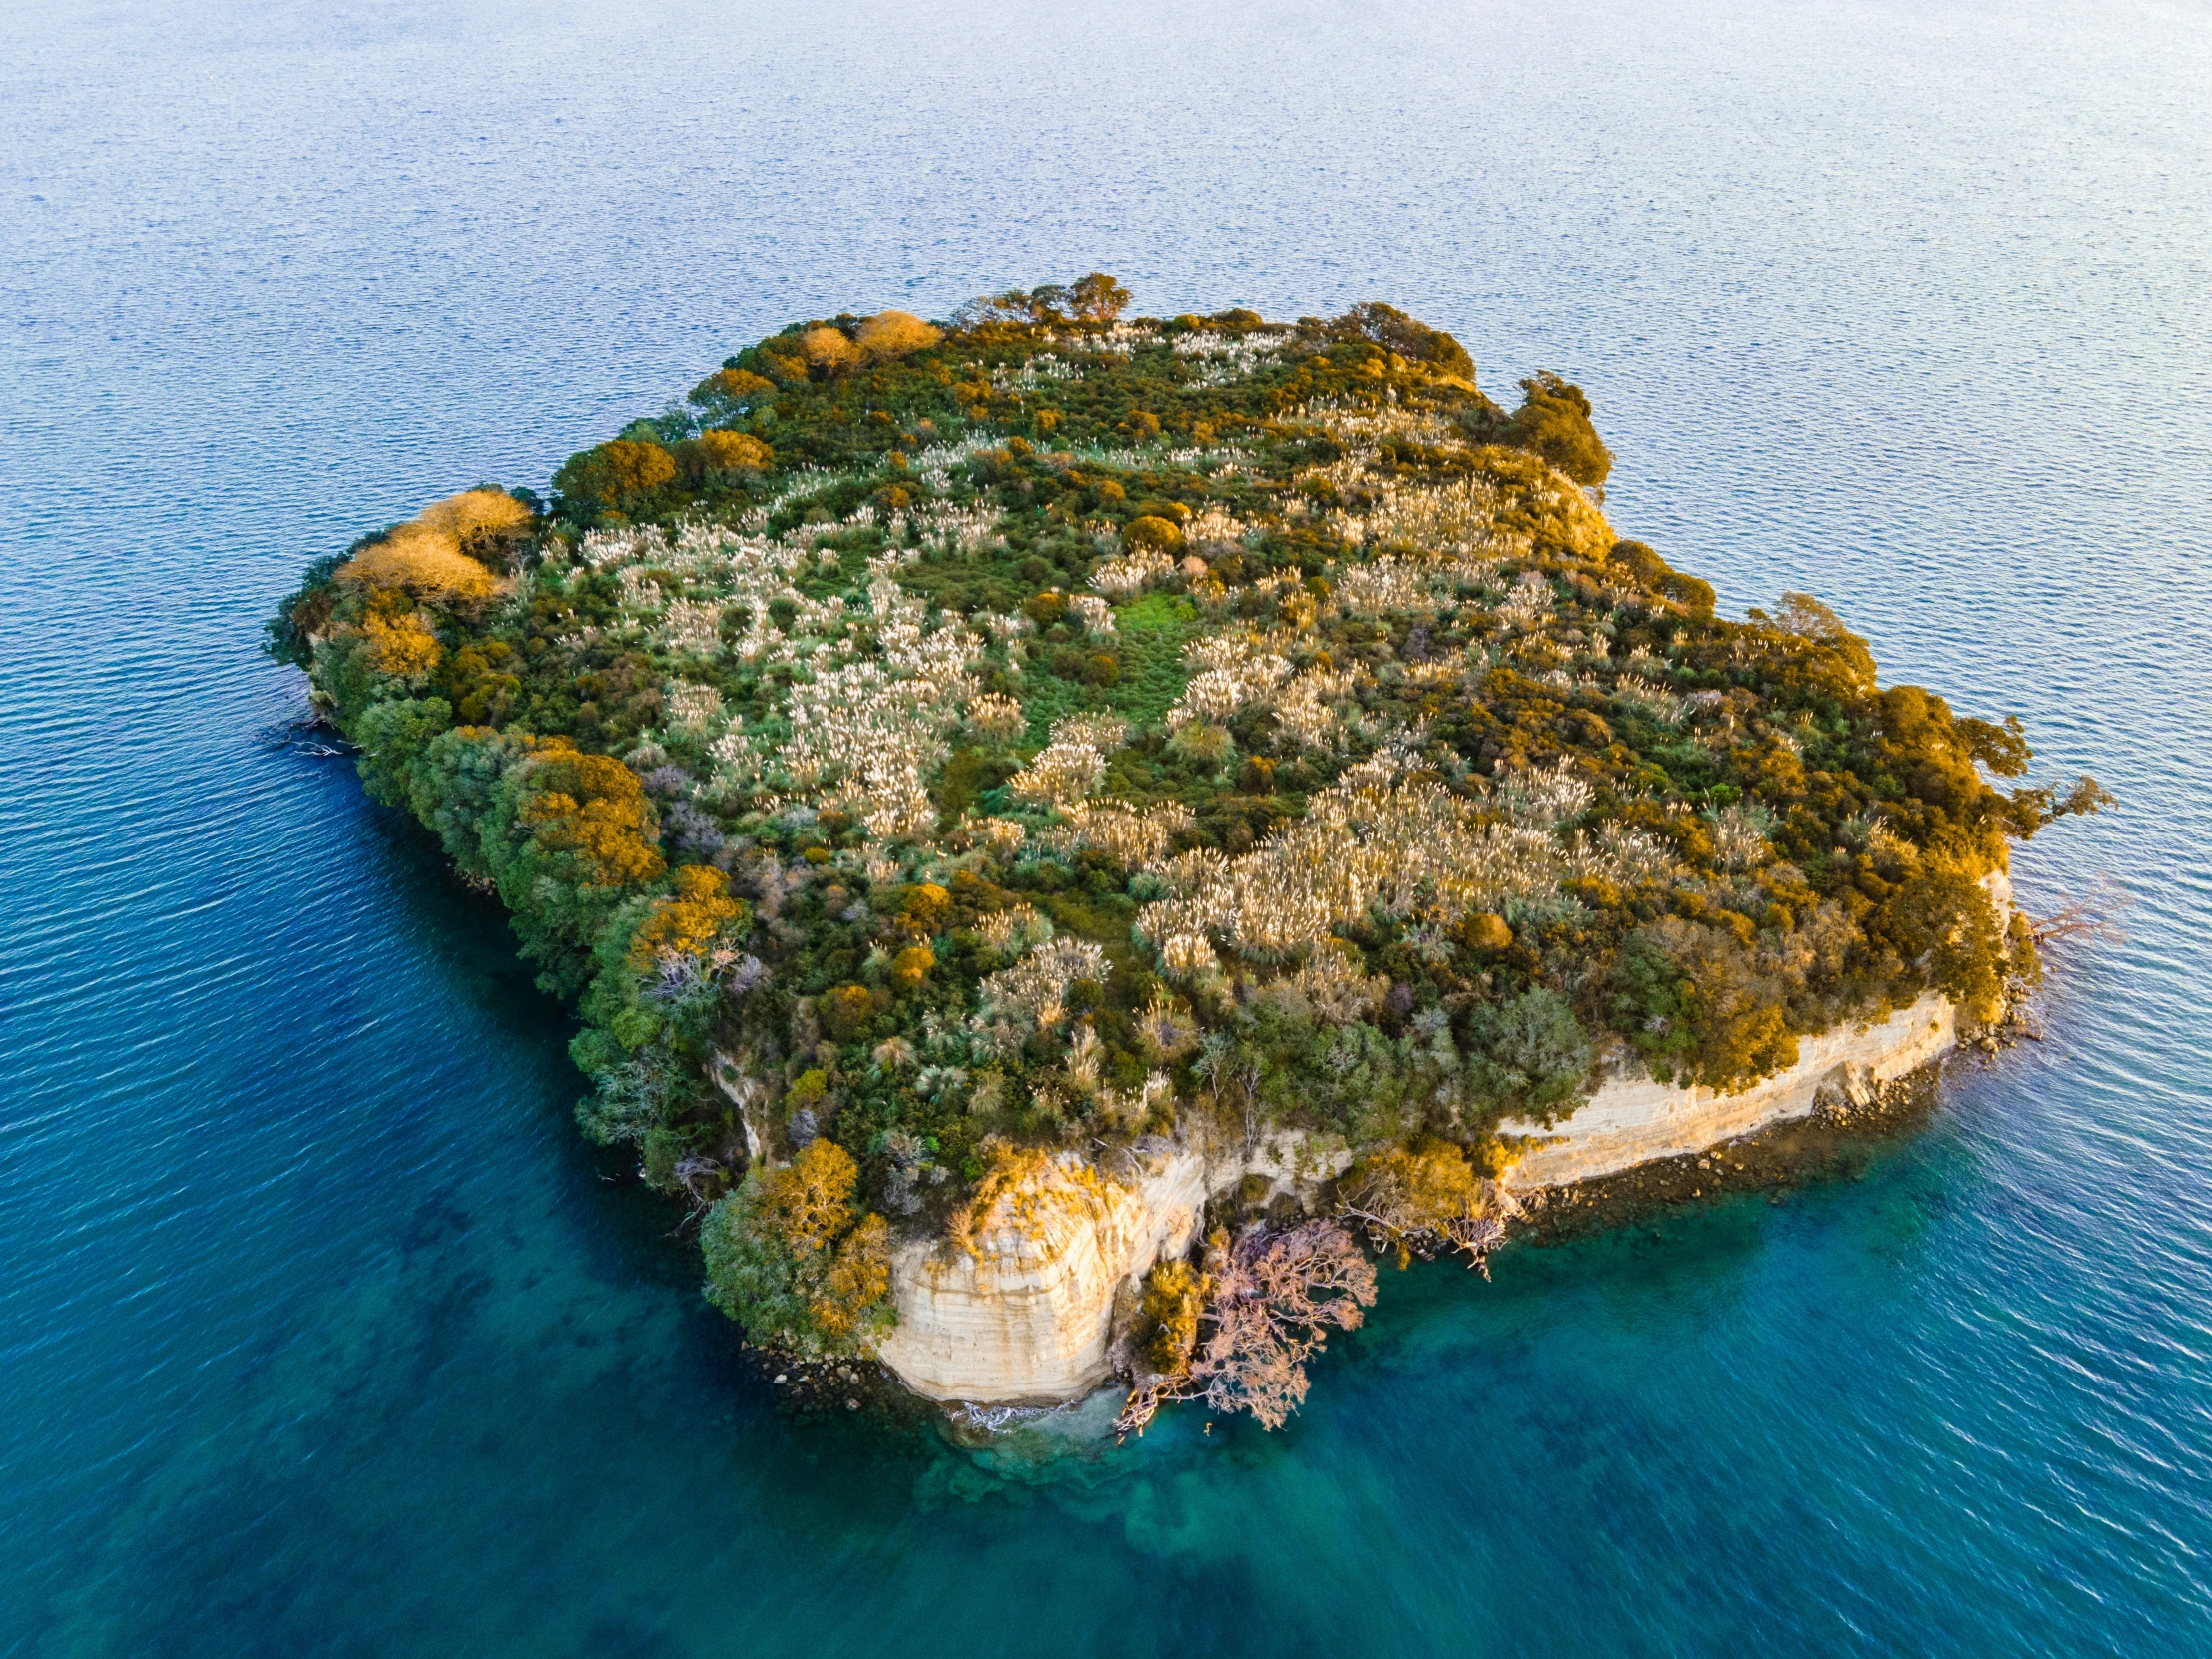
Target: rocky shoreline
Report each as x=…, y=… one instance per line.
x=830, y=1389
x=1026, y=1316
x=1835, y=1141
x=1832, y=1142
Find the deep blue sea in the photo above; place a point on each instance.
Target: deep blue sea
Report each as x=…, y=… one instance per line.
x=323, y=1332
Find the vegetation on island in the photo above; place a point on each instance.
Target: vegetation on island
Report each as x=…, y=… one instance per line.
x=928, y=751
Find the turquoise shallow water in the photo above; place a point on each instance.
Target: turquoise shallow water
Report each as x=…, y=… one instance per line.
x=324, y=1334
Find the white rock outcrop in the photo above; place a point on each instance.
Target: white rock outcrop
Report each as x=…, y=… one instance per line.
x=1028, y=1316
x=1631, y=1121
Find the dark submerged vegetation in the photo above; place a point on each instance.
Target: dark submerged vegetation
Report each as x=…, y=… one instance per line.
x=925, y=747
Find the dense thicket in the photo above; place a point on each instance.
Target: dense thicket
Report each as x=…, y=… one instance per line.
x=941, y=743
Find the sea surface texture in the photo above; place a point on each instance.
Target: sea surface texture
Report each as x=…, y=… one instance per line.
x=320, y=1329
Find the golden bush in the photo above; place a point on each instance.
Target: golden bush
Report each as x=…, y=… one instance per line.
x=616, y=473
x=928, y=908
x=734, y=452
x=996, y=715
x=828, y=350
x=910, y=967
x=1487, y=930
x=475, y=513
x=1152, y=533
x=891, y=334
x=1030, y=1191
x=593, y=808
x=687, y=922
x=1174, y=1297
x=401, y=645
x=858, y=1277
x=426, y=562
x=734, y=384
x=808, y=1204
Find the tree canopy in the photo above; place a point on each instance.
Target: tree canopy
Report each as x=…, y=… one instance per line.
x=1554, y=421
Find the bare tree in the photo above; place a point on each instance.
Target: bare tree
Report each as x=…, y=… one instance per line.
x=1420, y=1202
x=2089, y=918
x=1226, y=1070
x=1271, y=1301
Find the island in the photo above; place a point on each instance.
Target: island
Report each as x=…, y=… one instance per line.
x=1071, y=837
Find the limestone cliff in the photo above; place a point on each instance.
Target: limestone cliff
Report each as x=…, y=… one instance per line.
x=1026, y=1314
x=1632, y=1121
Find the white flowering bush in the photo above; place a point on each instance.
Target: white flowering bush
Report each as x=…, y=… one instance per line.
x=1014, y=929
x=996, y=718
x=1654, y=702
x=1004, y=836
x=1740, y=838
x=1231, y=672
x=1529, y=601
x=1070, y=765
x=690, y=706
x=737, y=759
x=1126, y=575
x=1406, y=848
x=691, y=628
x=1541, y=797
x=1033, y=993
x=1214, y=532
x=1131, y=836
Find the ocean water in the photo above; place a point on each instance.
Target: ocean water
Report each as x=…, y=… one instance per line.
x=322, y=1332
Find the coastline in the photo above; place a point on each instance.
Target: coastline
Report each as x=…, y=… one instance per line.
x=1787, y=1153
x=1630, y=1121
x=1030, y=1317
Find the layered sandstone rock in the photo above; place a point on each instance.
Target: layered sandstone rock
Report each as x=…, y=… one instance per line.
x=1027, y=1314
x=1631, y=1121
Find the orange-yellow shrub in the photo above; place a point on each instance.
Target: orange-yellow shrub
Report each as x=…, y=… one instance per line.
x=685, y=923
x=401, y=645
x=1026, y=1189
x=828, y=350
x=733, y=451
x=808, y=1202
x=733, y=383
x=593, y=808
x=860, y=1276
x=912, y=966
x=928, y=908
x=891, y=335
x=842, y=1270
x=425, y=561
x=615, y=472
x=475, y=513
x=1152, y=533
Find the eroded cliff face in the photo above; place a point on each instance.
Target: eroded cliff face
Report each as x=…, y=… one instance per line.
x=1028, y=1314
x=1631, y=1121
